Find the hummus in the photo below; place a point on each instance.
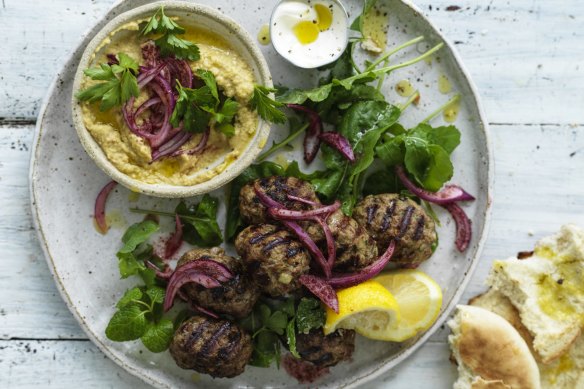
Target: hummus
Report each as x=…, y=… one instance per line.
x=131, y=154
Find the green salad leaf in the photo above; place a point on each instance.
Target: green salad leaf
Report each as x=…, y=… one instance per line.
x=425, y=153
x=200, y=222
x=357, y=24
x=120, y=83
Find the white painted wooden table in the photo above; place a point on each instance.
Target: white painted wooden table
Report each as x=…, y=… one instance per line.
x=526, y=56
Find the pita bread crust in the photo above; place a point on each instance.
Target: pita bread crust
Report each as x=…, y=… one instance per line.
x=498, y=303
x=494, y=350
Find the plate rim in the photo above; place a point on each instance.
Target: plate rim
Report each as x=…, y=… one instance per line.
x=355, y=381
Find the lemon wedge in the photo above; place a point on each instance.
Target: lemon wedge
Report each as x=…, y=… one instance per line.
x=419, y=298
x=368, y=308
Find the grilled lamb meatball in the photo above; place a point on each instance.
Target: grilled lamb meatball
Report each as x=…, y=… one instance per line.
x=211, y=346
x=278, y=188
x=391, y=216
x=275, y=259
x=355, y=248
x=326, y=351
x=235, y=297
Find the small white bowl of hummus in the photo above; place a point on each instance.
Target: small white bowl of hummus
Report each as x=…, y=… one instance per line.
x=163, y=99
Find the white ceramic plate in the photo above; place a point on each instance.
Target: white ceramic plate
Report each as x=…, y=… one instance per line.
x=64, y=183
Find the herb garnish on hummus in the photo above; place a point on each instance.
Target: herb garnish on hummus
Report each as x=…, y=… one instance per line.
x=176, y=103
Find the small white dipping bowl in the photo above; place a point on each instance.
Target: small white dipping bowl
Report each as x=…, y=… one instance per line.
x=329, y=45
x=204, y=18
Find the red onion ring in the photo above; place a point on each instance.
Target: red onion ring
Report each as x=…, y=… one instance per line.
x=171, y=146
x=99, y=209
x=198, y=148
x=330, y=241
x=449, y=194
x=287, y=214
x=203, y=272
x=347, y=280
x=177, y=280
x=321, y=289
x=175, y=240
x=304, y=238
x=303, y=200
x=339, y=143
x=463, y=226
x=163, y=275
x=312, y=137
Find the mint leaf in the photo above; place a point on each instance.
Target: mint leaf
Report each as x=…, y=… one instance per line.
x=158, y=336
x=129, y=265
x=129, y=323
x=137, y=234
x=156, y=294
x=309, y=315
x=130, y=296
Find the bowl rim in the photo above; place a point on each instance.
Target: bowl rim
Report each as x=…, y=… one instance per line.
x=94, y=150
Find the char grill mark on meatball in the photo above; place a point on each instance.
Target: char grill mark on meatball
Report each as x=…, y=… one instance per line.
x=405, y=221
x=274, y=258
x=387, y=216
x=278, y=188
x=390, y=217
x=419, y=228
x=211, y=346
x=326, y=351
x=354, y=247
x=235, y=297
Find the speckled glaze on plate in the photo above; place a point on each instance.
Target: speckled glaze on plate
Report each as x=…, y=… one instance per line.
x=64, y=183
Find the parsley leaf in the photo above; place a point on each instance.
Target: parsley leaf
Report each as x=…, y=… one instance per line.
x=119, y=84
x=267, y=107
x=198, y=108
x=169, y=43
x=159, y=23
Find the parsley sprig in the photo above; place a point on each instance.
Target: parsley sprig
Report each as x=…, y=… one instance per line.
x=118, y=86
x=168, y=42
x=267, y=107
x=197, y=108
